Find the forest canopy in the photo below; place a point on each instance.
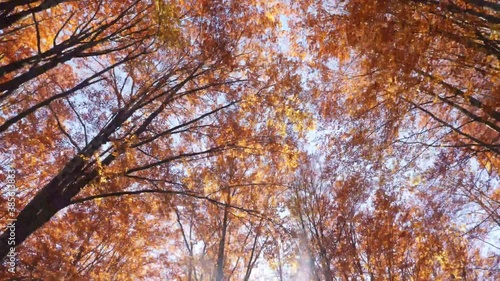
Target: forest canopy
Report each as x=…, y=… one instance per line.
x=250, y=140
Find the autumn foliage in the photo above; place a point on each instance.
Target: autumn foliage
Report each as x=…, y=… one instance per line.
x=250, y=140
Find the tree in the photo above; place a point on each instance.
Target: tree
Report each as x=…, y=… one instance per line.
x=152, y=106
x=424, y=70
x=224, y=242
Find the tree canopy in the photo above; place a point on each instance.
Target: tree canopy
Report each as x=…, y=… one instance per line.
x=250, y=140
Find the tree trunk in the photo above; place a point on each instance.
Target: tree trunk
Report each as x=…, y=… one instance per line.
x=220, y=256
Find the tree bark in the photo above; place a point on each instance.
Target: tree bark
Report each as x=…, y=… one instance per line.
x=220, y=256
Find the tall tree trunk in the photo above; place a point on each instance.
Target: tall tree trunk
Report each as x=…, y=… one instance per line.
x=482, y=3
x=222, y=243
x=9, y=6
x=57, y=194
